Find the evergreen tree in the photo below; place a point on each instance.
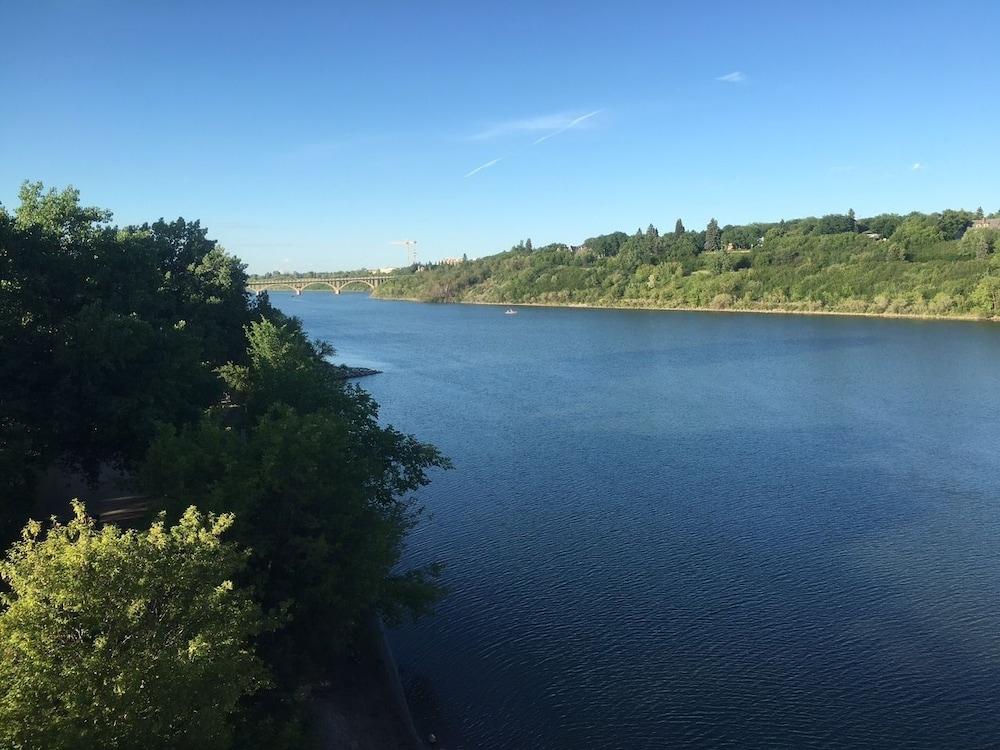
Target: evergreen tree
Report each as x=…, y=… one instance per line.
x=652, y=231
x=851, y=220
x=678, y=228
x=713, y=237
x=527, y=245
x=979, y=212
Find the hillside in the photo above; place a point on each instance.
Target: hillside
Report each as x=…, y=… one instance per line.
x=940, y=264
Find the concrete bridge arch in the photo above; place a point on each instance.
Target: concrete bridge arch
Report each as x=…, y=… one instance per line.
x=336, y=284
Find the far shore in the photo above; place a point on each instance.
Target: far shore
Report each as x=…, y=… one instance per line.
x=746, y=311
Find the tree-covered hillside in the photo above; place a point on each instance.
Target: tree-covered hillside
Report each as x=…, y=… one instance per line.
x=941, y=264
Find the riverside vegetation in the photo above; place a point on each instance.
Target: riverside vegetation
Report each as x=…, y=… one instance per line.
x=939, y=264
x=283, y=501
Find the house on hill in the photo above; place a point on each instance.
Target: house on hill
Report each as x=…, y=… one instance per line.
x=986, y=224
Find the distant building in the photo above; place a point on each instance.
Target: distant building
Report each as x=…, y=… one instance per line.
x=390, y=269
x=986, y=224
x=450, y=261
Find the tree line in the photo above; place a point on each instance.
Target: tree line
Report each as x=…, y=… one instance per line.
x=280, y=502
x=939, y=264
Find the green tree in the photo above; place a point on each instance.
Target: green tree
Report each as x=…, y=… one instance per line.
x=980, y=242
x=835, y=224
x=916, y=231
x=953, y=224
x=58, y=212
x=679, y=228
x=124, y=639
x=986, y=295
x=606, y=245
x=852, y=222
x=319, y=488
x=742, y=237
x=104, y=333
x=883, y=224
x=713, y=237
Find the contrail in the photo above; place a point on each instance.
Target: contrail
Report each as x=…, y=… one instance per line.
x=572, y=124
x=737, y=76
x=481, y=167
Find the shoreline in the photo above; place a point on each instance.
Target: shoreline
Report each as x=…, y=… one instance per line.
x=744, y=311
x=363, y=705
x=393, y=682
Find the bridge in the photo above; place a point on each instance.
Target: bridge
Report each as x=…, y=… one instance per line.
x=335, y=283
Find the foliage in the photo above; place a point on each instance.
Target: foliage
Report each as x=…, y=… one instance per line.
x=907, y=266
x=140, y=347
x=980, y=242
x=917, y=230
x=987, y=295
x=319, y=488
x=125, y=639
x=713, y=239
x=836, y=223
x=105, y=333
x=883, y=225
x=606, y=245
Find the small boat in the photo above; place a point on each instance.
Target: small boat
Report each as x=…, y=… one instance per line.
x=510, y=311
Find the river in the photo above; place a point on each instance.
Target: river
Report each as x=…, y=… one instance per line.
x=695, y=530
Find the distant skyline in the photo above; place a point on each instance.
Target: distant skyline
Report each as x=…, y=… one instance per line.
x=310, y=136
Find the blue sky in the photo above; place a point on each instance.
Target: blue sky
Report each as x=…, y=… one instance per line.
x=312, y=135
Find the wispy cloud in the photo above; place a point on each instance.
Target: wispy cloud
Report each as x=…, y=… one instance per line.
x=554, y=124
x=571, y=124
x=917, y=167
x=737, y=76
x=481, y=167
x=560, y=121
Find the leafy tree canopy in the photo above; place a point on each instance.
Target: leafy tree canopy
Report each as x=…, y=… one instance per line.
x=319, y=488
x=105, y=333
x=125, y=639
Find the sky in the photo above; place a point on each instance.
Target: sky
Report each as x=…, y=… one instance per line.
x=311, y=136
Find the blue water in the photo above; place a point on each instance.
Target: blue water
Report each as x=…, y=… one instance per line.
x=696, y=530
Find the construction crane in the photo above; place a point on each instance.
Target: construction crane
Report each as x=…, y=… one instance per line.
x=411, y=251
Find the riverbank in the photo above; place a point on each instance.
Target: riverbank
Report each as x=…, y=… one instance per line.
x=365, y=708
x=746, y=311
